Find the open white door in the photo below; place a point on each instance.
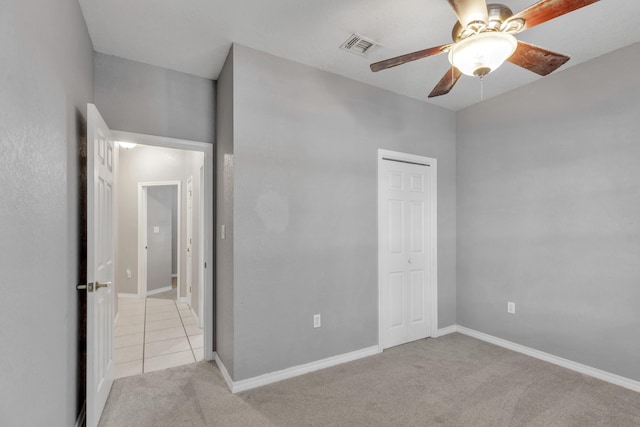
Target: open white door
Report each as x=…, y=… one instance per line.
x=100, y=291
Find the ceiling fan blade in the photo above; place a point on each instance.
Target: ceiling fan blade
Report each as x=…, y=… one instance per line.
x=446, y=83
x=470, y=10
x=546, y=10
x=537, y=59
x=403, y=59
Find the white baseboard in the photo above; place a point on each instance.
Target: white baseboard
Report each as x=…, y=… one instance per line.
x=125, y=295
x=80, y=421
x=223, y=371
x=182, y=299
x=448, y=330
x=174, y=275
x=294, y=371
x=565, y=363
x=159, y=291
x=195, y=315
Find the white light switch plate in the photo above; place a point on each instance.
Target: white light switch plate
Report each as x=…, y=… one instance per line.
x=156, y=229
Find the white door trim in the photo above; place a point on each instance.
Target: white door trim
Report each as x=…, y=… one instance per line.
x=432, y=230
x=189, y=256
x=201, y=251
x=142, y=233
x=208, y=229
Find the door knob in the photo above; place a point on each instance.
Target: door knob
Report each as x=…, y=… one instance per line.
x=102, y=285
x=91, y=287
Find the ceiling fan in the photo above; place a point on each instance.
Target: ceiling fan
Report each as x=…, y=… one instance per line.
x=483, y=38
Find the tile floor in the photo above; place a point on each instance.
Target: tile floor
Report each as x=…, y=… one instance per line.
x=154, y=334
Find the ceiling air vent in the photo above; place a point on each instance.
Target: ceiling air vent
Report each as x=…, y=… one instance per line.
x=358, y=44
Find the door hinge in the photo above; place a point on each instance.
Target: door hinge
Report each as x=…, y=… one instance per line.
x=205, y=264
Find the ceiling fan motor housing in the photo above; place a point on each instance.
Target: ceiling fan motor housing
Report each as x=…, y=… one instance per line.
x=497, y=13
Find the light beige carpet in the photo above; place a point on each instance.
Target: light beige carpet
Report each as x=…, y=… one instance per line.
x=454, y=380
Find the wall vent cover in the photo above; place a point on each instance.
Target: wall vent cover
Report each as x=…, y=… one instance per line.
x=358, y=44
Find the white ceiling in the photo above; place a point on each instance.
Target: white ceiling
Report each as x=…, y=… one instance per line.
x=194, y=36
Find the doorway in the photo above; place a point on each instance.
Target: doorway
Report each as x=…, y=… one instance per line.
x=184, y=323
x=407, y=248
x=159, y=238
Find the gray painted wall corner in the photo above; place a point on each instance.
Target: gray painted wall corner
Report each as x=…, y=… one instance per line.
x=548, y=212
x=225, y=302
x=305, y=197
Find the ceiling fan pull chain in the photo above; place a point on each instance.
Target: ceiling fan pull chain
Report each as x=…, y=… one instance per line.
x=481, y=88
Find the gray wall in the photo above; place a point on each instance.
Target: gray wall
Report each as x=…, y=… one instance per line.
x=45, y=83
x=224, y=320
x=549, y=214
x=305, y=208
x=159, y=247
x=142, y=98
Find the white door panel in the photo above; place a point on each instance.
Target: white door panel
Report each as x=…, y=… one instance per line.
x=416, y=227
x=417, y=299
x=100, y=254
x=396, y=223
x=397, y=328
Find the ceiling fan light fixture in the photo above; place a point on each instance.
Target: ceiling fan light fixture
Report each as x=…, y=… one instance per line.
x=482, y=53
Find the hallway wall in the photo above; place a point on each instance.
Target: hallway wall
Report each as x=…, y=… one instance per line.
x=151, y=164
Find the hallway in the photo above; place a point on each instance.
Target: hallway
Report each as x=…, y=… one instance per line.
x=154, y=334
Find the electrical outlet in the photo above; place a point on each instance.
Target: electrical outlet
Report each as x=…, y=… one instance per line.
x=316, y=321
x=511, y=307
x=128, y=273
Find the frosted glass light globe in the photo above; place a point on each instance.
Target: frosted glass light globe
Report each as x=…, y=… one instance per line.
x=482, y=53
